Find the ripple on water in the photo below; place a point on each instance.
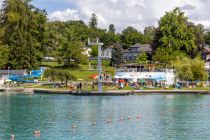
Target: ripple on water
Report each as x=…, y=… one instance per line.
x=162, y=117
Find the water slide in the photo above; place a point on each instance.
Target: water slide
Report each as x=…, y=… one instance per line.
x=27, y=78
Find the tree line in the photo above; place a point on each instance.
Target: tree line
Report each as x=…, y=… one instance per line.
x=26, y=36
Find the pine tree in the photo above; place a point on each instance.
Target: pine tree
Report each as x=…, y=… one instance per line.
x=24, y=26
x=117, y=55
x=93, y=21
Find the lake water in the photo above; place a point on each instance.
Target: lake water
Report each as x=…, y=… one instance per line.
x=163, y=117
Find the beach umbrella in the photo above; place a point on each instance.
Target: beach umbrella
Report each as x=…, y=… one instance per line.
x=94, y=76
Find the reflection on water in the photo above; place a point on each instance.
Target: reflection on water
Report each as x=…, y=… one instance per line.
x=161, y=117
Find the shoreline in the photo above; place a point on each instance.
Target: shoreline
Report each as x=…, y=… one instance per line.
x=104, y=93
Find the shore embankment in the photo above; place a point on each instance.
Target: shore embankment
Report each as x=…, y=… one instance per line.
x=104, y=93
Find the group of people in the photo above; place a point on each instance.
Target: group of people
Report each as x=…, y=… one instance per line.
x=74, y=86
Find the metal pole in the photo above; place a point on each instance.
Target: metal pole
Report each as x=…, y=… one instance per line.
x=8, y=76
x=99, y=68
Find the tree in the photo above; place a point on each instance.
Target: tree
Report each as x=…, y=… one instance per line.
x=61, y=75
x=111, y=28
x=174, y=33
x=190, y=69
x=117, y=55
x=131, y=36
x=199, y=32
x=207, y=37
x=71, y=50
x=165, y=56
x=94, y=51
x=93, y=22
x=24, y=27
x=3, y=56
x=148, y=34
x=141, y=58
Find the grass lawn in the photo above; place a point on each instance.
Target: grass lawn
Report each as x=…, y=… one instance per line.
x=82, y=72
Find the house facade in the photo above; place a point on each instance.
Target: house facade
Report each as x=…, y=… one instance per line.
x=133, y=51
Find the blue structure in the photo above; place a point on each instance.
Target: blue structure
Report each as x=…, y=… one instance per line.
x=25, y=78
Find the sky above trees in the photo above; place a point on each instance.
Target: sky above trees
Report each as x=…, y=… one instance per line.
x=123, y=13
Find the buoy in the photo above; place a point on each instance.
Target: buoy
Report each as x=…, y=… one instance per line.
x=138, y=117
x=121, y=119
x=129, y=117
x=109, y=121
x=74, y=126
x=94, y=123
x=37, y=133
x=12, y=136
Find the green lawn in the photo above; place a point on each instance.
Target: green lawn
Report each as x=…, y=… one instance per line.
x=82, y=72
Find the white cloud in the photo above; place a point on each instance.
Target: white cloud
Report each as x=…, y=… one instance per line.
x=66, y=15
x=139, y=13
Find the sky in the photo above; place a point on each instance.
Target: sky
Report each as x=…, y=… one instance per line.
x=124, y=13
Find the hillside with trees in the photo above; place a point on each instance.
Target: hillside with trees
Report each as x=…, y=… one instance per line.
x=26, y=36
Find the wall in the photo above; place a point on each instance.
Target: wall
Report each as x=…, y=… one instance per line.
x=170, y=76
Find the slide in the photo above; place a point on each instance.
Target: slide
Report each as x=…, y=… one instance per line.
x=27, y=78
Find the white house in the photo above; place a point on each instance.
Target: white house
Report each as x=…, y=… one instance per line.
x=107, y=52
x=137, y=72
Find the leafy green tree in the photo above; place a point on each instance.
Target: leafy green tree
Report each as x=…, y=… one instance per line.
x=112, y=28
x=3, y=56
x=131, y=36
x=94, y=51
x=182, y=66
x=199, y=32
x=198, y=69
x=142, y=58
x=165, y=56
x=207, y=37
x=109, y=38
x=61, y=75
x=190, y=69
x=24, y=27
x=174, y=34
x=148, y=34
x=71, y=51
x=93, y=21
x=117, y=55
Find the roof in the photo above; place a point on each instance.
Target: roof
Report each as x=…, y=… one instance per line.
x=142, y=47
x=13, y=72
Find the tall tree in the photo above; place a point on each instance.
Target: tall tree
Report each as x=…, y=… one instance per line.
x=111, y=28
x=93, y=21
x=117, y=55
x=131, y=36
x=142, y=58
x=3, y=56
x=71, y=50
x=174, y=33
x=207, y=37
x=24, y=27
x=148, y=34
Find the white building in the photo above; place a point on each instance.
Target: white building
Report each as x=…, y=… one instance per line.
x=139, y=72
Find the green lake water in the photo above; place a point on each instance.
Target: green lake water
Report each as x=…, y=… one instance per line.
x=163, y=117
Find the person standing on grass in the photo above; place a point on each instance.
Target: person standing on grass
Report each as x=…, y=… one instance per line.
x=80, y=86
x=93, y=86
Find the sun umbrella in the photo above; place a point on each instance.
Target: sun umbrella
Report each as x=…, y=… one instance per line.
x=94, y=76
